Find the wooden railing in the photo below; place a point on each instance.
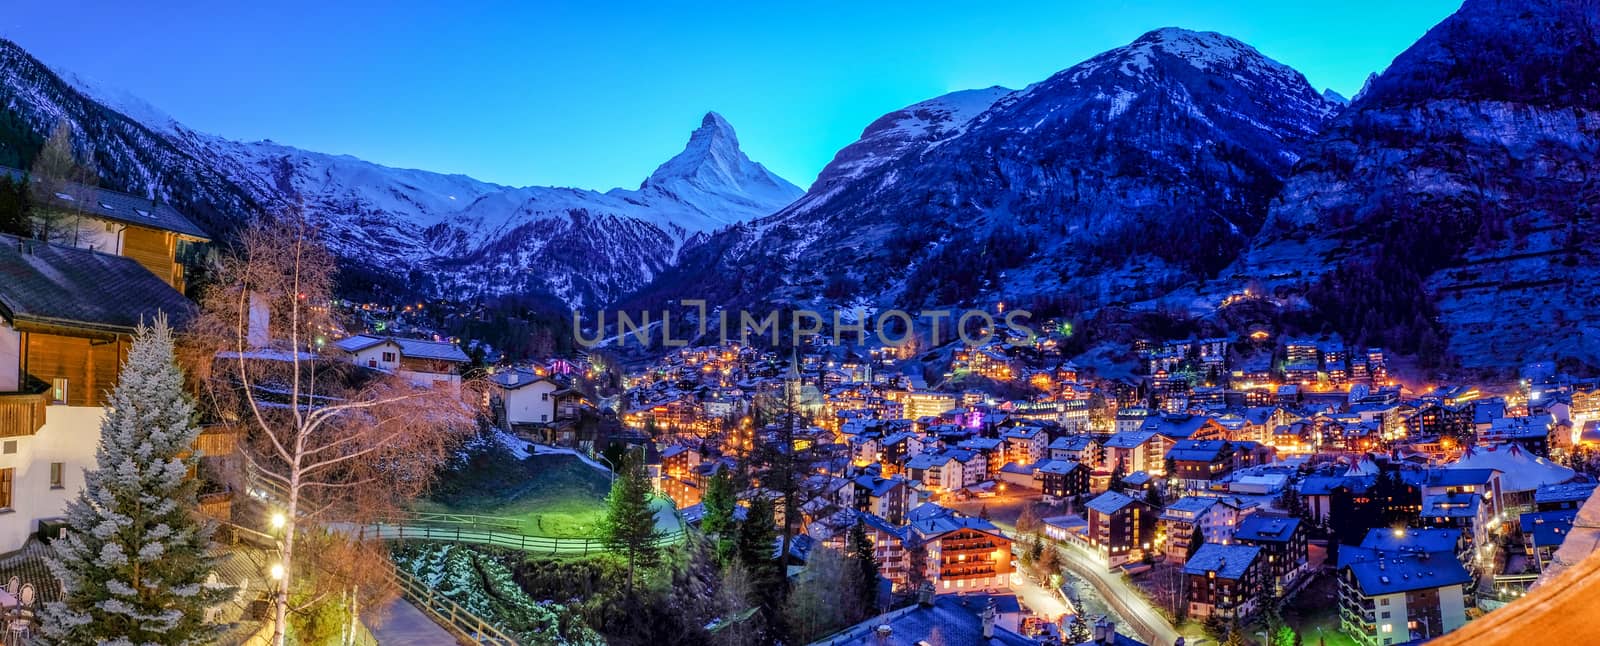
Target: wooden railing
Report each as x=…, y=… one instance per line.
x=467, y=627
x=449, y=614
x=217, y=504
x=22, y=413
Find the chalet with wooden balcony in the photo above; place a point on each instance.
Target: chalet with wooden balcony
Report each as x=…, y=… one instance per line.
x=149, y=232
x=67, y=316
x=961, y=553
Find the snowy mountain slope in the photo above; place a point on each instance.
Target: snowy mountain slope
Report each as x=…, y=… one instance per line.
x=914, y=127
x=1142, y=168
x=439, y=233
x=127, y=154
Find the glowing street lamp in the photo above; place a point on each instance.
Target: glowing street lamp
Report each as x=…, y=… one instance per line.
x=278, y=520
x=277, y=572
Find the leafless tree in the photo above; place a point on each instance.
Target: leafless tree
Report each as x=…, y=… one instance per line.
x=64, y=181
x=333, y=443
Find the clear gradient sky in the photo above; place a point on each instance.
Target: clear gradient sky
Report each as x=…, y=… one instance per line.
x=576, y=94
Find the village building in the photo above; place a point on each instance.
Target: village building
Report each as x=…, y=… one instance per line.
x=67, y=316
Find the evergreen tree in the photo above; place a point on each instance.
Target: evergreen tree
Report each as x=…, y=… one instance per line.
x=1117, y=474
x=630, y=524
x=134, y=562
x=765, y=574
x=757, y=534
x=15, y=218
x=718, y=503
x=1152, y=497
x=1079, y=633
x=865, y=566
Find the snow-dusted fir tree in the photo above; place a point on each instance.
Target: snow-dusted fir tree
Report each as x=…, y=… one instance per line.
x=134, y=559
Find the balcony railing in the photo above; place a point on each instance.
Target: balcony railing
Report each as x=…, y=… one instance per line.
x=22, y=413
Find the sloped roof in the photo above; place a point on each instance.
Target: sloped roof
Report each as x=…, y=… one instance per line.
x=1060, y=467
x=1433, y=539
x=1406, y=572
x=954, y=619
x=1549, y=528
x=120, y=207
x=1197, y=450
x=1072, y=442
x=1187, y=508
x=1519, y=470
x=1109, y=502
x=1266, y=529
x=1228, y=561
x=413, y=348
x=1129, y=439
x=58, y=285
x=1573, y=492
x=502, y=378
x=935, y=527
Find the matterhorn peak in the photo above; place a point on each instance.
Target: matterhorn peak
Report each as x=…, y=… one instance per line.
x=712, y=162
x=712, y=154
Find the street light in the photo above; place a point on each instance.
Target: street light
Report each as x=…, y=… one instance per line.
x=279, y=522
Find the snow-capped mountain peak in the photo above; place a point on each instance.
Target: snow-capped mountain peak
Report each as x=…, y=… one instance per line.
x=1202, y=50
x=713, y=162
x=711, y=175
x=712, y=154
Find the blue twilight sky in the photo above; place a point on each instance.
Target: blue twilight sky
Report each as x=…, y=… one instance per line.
x=595, y=95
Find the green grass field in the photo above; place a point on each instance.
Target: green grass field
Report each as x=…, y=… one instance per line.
x=550, y=495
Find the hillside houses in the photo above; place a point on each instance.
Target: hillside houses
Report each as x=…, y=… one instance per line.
x=1227, y=465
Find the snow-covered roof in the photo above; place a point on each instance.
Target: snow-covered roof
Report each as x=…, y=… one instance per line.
x=413, y=348
x=1519, y=469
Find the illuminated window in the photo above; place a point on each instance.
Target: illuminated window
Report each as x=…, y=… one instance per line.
x=58, y=391
x=58, y=474
x=7, y=477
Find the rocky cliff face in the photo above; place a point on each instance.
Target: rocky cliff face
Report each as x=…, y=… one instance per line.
x=1453, y=202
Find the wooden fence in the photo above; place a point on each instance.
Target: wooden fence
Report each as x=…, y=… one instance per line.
x=449, y=614
x=508, y=539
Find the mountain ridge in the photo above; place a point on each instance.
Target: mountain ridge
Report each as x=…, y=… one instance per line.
x=1075, y=161
x=407, y=229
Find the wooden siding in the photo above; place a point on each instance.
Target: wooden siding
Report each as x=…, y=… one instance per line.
x=89, y=366
x=156, y=250
x=217, y=441
x=22, y=414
